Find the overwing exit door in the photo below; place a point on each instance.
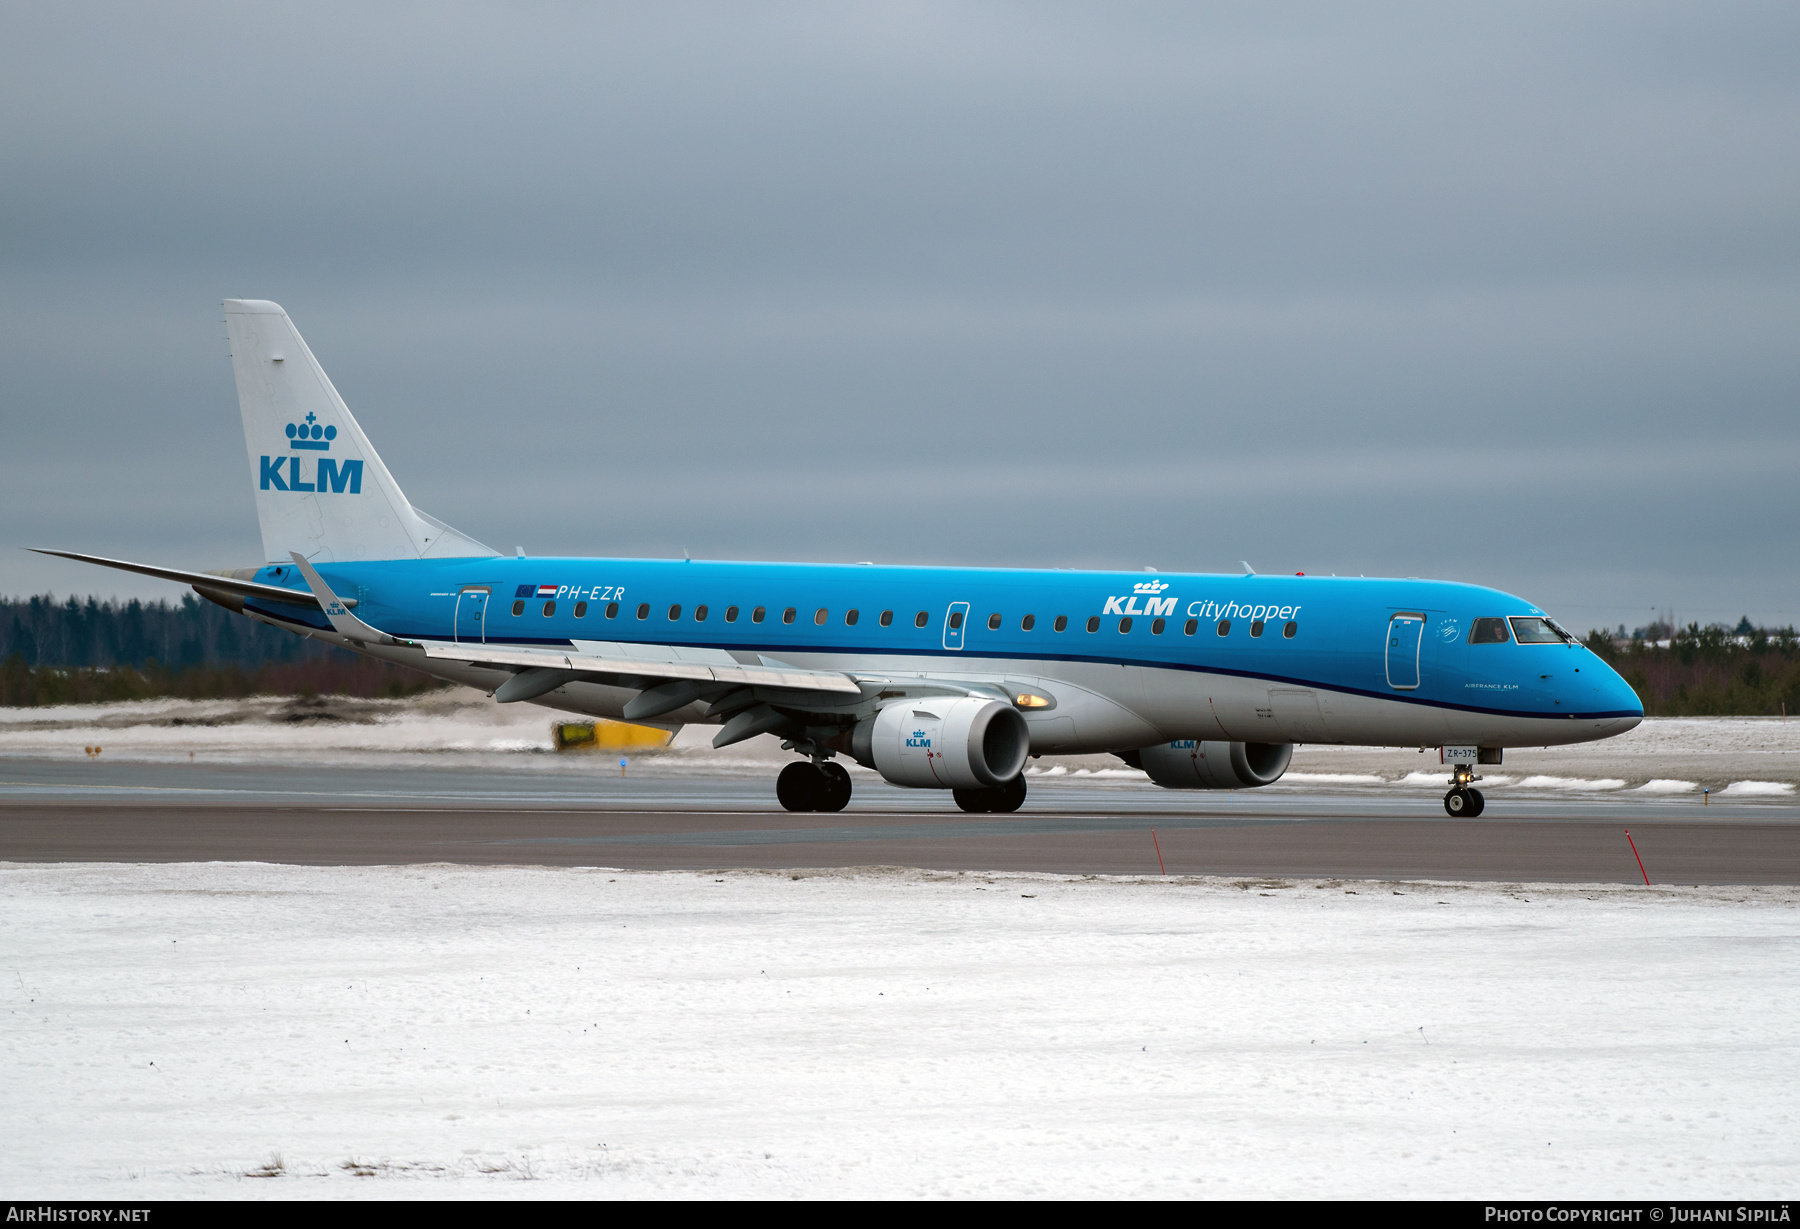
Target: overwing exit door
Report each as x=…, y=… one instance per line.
x=1405, y=631
x=471, y=616
x=954, y=619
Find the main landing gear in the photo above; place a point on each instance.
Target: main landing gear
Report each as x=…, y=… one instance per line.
x=805, y=786
x=1463, y=801
x=1001, y=799
x=825, y=786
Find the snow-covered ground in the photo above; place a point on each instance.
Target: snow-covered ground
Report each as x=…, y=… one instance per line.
x=1750, y=757
x=243, y=1030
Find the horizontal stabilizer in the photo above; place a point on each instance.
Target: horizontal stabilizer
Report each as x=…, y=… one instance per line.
x=223, y=583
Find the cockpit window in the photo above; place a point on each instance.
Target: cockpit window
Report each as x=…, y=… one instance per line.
x=1539, y=631
x=1489, y=631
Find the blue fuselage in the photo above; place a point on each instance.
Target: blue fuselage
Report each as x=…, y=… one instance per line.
x=1399, y=642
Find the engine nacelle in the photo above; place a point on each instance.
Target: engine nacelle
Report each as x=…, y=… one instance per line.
x=953, y=742
x=1189, y=764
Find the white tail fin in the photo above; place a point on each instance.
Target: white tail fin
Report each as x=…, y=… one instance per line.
x=321, y=488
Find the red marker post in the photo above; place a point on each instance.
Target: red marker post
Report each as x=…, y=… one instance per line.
x=1639, y=857
x=1158, y=844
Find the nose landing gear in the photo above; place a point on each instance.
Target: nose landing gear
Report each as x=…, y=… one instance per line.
x=1463, y=801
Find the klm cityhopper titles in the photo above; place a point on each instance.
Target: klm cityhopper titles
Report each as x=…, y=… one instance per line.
x=937, y=678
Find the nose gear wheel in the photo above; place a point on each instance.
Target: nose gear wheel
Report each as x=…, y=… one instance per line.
x=1464, y=803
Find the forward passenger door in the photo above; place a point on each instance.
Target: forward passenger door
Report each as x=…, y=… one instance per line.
x=1404, y=633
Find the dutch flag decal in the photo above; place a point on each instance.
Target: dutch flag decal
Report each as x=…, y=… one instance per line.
x=546, y=591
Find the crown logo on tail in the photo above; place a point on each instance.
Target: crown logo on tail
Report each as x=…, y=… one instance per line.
x=310, y=435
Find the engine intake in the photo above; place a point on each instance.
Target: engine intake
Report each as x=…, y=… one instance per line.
x=1190, y=764
x=956, y=742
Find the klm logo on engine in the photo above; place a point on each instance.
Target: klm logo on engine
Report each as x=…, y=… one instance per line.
x=283, y=473
x=1150, y=591
x=918, y=739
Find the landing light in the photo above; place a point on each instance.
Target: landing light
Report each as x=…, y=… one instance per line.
x=1027, y=700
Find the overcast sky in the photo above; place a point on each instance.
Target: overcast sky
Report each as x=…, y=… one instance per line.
x=1499, y=293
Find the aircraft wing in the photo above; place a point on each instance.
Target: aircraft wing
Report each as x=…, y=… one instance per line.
x=646, y=661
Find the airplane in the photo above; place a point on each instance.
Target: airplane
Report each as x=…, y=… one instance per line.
x=934, y=677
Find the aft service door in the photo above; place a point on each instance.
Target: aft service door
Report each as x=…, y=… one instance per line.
x=471, y=616
x=1404, y=634
x=955, y=623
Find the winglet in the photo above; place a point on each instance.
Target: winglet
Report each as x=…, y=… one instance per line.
x=345, y=623
x=1248, y=570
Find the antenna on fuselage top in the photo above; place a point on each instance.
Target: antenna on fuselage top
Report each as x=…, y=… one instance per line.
x=1248, y=570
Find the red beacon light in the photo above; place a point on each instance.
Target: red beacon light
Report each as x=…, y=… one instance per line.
x=1299, y=573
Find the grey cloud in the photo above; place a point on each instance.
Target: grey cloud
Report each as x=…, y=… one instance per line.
x=1067, y=285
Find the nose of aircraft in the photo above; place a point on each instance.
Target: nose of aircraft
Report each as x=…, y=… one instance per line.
x=1611, y=695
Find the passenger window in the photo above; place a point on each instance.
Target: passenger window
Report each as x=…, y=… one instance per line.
x=1256, y=626
x=756, y=616
x=1124, y=626
x=1190, y=627
x=581, y=610
x=886, y=619
x=1291, y=630
x=994, y=621
x=820, y=617
x=955, y=619
x=731, y=614
x=699, y=614
x=1093, y=623
x=612, y=610
x=787, y=616
x=518, y=609
x=1224, y=627
x=921, y=619
x=549, y=609
x=1027, y=623
x=643, y=610
x=1538, y=631
x=849, y=618
x=675, y=614
x=1156, y=627
x=1061, y=624
x=1489, y=631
